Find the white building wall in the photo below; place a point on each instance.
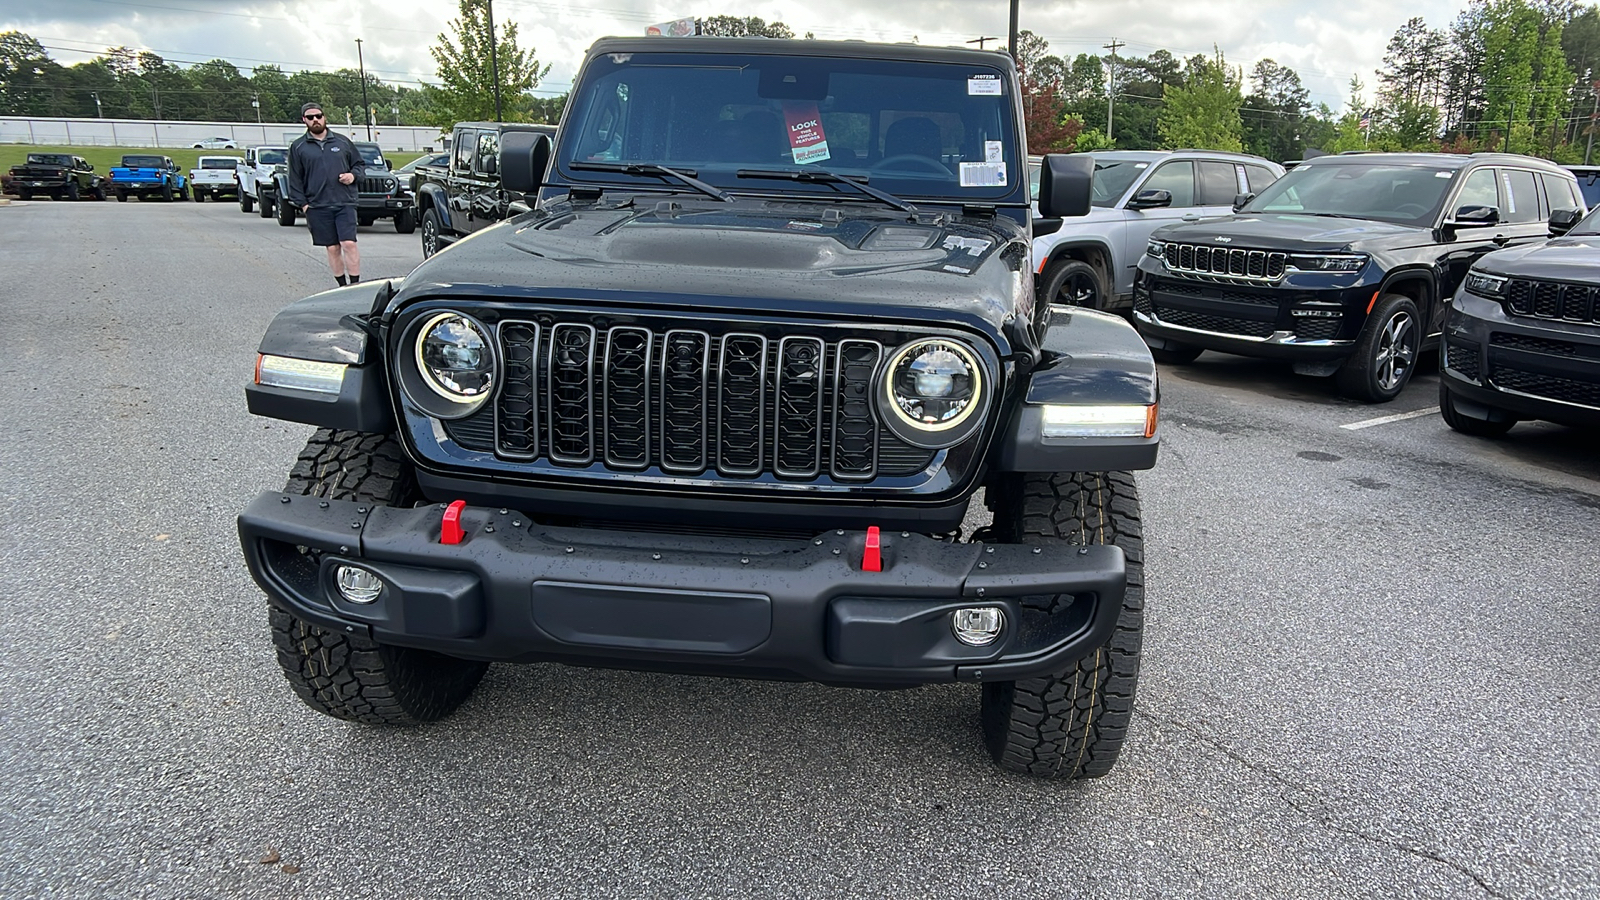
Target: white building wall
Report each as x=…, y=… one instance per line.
x=175, y=135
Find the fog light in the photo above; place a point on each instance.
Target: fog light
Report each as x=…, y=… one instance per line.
x=979, y=625
x=358, y=585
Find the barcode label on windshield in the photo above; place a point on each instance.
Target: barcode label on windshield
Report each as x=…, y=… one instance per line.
x=983, y=174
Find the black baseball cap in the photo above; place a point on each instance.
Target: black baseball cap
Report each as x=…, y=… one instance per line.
x=307, y=107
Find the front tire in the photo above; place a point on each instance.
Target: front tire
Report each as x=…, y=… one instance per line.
x=71, y=191
x=246, y=202
x=405, y=221
x=430, y=232
x=24, y=194
x=122, y=196
x=268, y=206
x=1070, y=724
x=1386, y=353
x=1073, y=282
x=286, y=214
x=1466, y=424
x=347, y=676
x=1176, y=354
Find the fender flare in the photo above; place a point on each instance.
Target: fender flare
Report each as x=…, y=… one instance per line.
x=329, y=327
x=431, y=195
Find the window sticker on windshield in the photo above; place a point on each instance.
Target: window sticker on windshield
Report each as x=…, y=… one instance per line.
x=1443, y=174
x=983, y=174
x=983, y=86
x=994, y=151
x=806, y=139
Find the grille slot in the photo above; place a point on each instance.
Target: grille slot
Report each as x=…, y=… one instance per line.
x=571, y=376
x=1227, y=263
x=627, y=398
x=683, y=402
x=1463, y=357
x=1534, y=344
x=1551, y=387
x=741, y=404
x=1553, y=300
x=1219, y=324
x=855, y=428
x=798, y=429
x=519, y=401
x=1316, y=329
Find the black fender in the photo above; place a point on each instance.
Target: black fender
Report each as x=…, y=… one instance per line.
x=434, y=196
x=1087, y=358
x=1062, y=251
x=330, y=327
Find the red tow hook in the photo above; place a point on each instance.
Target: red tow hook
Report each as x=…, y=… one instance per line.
x=450, y=529
x=872, y=555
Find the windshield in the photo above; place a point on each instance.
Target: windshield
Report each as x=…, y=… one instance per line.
x=1112, y=178
x=371, y=154
x=143, y=162
x=1589, y=184
x=1588, y=225
x=1408, y=195
x=218, y=162
x=49, y=159
x=920, y=129
x=270, y=157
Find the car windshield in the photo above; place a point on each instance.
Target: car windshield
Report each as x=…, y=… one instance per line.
x=49, y=159
x=143, y=162
x=1408, y=195
x=918, y=129
x=270, y=157
x=371, y=154
x=1589, y=225
x=1112, y=177
x=218, y=162
x=1589, y=184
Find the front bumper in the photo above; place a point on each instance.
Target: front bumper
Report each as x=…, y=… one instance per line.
x=383, y=206
x=1534, y=368
x=1304, y=317
x=519, y=592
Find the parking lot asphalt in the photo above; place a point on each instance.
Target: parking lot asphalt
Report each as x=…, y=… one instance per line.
x=1369, y=665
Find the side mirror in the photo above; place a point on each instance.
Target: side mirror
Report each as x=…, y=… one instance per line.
x=1476, y=217
x=491, y=166
x=387, y=164
x=526, y=155
x=1240, y=201
x=90, y=167
x=1064, y=183
x=1150, y=200
x=1562, y=220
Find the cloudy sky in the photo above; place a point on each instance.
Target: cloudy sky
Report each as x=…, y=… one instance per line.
x=1326, y=42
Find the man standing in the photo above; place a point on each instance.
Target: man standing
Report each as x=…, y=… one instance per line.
x=323, y=170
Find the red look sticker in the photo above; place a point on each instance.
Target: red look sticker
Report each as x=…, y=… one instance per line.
x=806, y=139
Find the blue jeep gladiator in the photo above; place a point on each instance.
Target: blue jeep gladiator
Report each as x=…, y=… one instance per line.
x=143, y=176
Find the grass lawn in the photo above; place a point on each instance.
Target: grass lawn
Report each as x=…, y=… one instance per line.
x=105, y=158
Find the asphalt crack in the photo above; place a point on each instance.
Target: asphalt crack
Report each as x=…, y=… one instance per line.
x=1291, y=787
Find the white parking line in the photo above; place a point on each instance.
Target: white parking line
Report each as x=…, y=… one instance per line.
x=1397, y=417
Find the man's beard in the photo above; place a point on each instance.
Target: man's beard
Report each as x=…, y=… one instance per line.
x=317, y=127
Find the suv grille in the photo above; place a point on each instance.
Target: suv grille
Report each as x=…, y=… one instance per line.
x=1553, y=300
x=1463, y=358
x=1218, y=324
x=1551, y=387
x=378, y=184
x=1227, y=263
x=689, y=401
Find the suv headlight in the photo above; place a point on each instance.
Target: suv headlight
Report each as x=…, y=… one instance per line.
x=934, y=393
x=1157, y=249
x=1328, y=262
x=453, y=365
x=1485, y=285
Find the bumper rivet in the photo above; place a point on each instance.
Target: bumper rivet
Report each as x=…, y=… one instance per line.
x=745, y=561
x=655, y=556
x=285, y=499
x=905, y=534
x=361, y=509
x=569, y=549
x=516, y=523
x=488, y=529
x=1038, y=550
x=988, y=549
x=350, y=628
x=982, y=591
x=840, y=532
x=1083, y=551
x=322, y=505
x=983, y=565
x=344, y=549
x=355, y=524
x=836, y=551
x=504, y=511
x=818, y=542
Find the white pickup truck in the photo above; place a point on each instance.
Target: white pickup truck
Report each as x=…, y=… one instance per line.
x=258, y=166
x=214, y=176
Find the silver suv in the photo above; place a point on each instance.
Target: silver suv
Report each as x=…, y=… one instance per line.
x=1090, y=261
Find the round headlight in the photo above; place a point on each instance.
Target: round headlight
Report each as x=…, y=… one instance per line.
x=455, y=359
x=933, y=392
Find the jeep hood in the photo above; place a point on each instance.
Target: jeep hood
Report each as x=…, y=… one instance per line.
x=1296, y=233
x=1559, y=259
x=780, y=257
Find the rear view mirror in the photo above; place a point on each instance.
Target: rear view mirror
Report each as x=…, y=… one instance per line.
x=1240, y=201
x=1064, y=183
x=526, y=155
x=1562, y=220
x=1151, y=200
x=1476, y=217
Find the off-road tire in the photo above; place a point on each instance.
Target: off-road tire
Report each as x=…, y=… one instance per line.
x=1176, y=354
x=348, y=676
x=1072, y=282
x=1070, y=724
x=286, y=214
x=166, y=193
x=365, y=221
x=71, y=191
x=405, y=221
x=1467, y=424
x=430, y=232
x=268, y=207
x=24, y=194
x=122, y=196
x=1378, y=369
x=99, y=192
x=246, y=202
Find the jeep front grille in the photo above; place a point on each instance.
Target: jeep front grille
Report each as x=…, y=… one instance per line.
x=688, y=401
x=1553, y=300
x=1227, y=263
x=380, y=185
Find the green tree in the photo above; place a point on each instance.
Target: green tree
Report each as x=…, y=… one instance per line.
x=30, y=82
x=743, y=26
x=464, y=67
x=1274, y=113
x=1204, y=111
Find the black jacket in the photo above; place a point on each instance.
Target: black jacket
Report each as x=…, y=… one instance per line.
x=315, y=167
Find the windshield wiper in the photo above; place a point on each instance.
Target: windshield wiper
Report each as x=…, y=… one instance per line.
x=687, y=177
x=824, y=176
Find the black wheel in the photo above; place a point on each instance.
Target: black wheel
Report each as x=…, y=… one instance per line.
x=1176, y=354
x=1070, y=724
x=166, y=193
x=1072, y=282
x=1386, y=353
x=365, y=221
x=122, y=196
x=246, y=202
x=70, y=192
x=99, y=192
x=24, y=194
x=405, y=221
x=430, y=232
x=268, y=206
x=286, y=214
x=348, y=676
x=183, y=193
x=1467, y=424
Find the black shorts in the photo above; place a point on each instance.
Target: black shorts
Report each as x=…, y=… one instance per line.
x=331, y=224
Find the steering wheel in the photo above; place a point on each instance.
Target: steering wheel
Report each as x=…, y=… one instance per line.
x=932, y=165
x=1412, y=210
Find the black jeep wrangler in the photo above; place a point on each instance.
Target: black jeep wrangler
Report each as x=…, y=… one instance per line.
x=1345, y=265
x=380, y=195
x=726, y=401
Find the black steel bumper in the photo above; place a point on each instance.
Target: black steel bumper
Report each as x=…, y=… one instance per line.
x=384, y=207
x=1535, y=369
x=513, y=591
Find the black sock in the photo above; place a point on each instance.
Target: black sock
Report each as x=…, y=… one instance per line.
x=355, y=279
x=340, y=279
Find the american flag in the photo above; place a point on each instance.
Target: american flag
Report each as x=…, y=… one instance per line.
x=1366, y=121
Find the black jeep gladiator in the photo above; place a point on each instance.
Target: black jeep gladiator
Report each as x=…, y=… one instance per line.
x=466, y=194
x=760, y=387
x=60, y=175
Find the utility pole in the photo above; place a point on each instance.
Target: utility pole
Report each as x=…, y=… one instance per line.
x=100, y=114
x=1011, y=45
x=980, y=41
x=494, y=60
x=1111, y=83
x=1510, y=118
x=255, y=101
x=1588, y=151
x=366, y=111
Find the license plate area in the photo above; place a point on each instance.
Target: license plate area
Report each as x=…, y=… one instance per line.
x=600, y=615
